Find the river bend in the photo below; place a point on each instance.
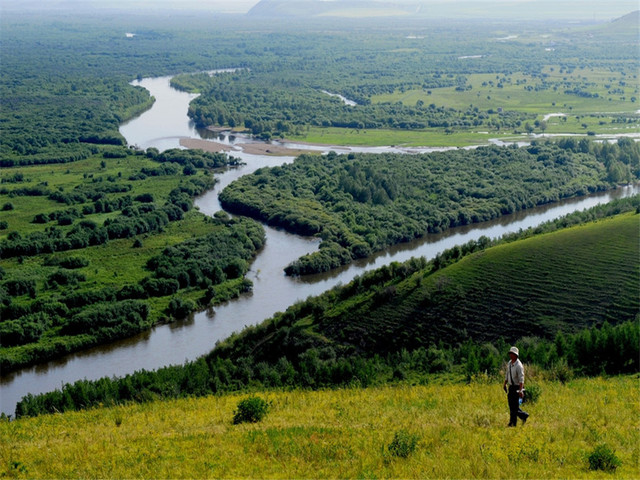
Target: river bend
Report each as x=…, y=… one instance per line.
x=163, y=126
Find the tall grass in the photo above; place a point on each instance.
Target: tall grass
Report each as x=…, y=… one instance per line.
x=460, y=429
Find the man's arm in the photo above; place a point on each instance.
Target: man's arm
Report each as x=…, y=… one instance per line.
x=521, y=389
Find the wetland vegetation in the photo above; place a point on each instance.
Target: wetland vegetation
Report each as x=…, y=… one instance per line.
x=100, y=240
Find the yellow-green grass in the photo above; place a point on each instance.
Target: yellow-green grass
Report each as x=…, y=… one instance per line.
x=514, y=97
x=67, y=177
x=461, y=431
x=400, y=138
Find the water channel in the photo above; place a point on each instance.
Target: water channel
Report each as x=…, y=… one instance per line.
x=163, y=126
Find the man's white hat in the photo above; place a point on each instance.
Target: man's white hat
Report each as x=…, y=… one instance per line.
x=514, y=350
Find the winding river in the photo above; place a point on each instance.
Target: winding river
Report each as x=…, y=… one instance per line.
x=163, y=126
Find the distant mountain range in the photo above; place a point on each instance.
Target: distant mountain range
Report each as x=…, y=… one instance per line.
x=582, y=10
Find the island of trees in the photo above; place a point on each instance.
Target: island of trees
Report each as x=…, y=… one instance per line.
x=358, y=204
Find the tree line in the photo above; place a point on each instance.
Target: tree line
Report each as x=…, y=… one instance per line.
x=268, y=108
x=585, y=353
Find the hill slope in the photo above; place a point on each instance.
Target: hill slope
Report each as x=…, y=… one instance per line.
x=562, y=281
x=460, y=430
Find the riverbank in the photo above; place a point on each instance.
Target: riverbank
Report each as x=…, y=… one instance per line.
x=251, y=148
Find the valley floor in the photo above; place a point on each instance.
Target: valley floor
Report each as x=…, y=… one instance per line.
x=460, y=430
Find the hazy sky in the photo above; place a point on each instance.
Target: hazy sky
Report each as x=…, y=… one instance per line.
x=222, y=6
x=580, y=8
x=226, y=6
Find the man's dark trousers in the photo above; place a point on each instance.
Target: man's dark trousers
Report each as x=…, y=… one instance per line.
x=514, y=406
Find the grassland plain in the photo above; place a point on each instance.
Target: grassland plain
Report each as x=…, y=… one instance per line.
x=345, y=433
x=540, y=94
x=401, y=138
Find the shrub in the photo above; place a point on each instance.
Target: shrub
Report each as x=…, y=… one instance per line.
x=532, y=393
x=603, y=458
x=561, y=371
x=252, y=409
x=403, y=444
x=70, y=263
x=64, y=277
x=179, y=308
x=144, y=198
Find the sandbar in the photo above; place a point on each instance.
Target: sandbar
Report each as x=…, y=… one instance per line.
x=250, y=147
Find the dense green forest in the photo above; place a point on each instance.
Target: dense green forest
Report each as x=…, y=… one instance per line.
x=415, y=75
x=411, y=321
x=361, y=203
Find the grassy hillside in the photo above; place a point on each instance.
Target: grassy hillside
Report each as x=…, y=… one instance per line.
x=565, y=280
x=561, y=281
x=460, y=431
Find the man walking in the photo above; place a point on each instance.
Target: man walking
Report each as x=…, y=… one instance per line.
x=514, y=379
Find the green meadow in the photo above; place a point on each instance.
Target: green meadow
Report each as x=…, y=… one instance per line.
x=446, y=431
x=541, y=93
x=612, y=112
x=115, y=261
x=400, y=138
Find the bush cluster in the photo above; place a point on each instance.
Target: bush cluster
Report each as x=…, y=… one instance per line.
x=603, y=458
x=250, y=410
x=403, y=444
